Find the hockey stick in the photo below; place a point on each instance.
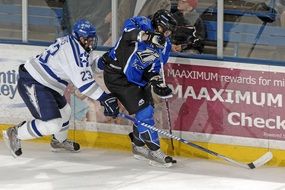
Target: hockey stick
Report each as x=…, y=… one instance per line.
x=269, y=18
x=257, y=163
x=166, y=100
x=257, y=38
x=169, y=122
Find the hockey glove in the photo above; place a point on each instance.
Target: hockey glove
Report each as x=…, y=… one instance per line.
x=156, y=39
x=102, y=61
x=110, y=104
x=162, y=90
x=265, y=13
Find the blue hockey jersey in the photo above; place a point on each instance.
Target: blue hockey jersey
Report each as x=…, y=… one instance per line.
x=135, y=56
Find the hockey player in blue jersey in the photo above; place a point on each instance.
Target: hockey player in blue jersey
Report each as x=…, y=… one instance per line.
x=42, y=82
x=132, y=67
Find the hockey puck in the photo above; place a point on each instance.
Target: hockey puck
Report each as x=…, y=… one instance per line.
x=174, y=161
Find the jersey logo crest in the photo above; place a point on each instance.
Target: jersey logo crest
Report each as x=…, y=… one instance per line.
x=147, y=56
x=84, y=59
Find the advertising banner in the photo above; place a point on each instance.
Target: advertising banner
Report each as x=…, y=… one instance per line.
x=13, y=109
x=227, y=100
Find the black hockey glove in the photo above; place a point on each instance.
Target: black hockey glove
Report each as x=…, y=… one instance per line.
x=265, y=13
x=162, y=90
x=156, y=39
x=110, y=104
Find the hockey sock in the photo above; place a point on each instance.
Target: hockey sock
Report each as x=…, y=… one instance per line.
x=38, y=128
x=62, y=134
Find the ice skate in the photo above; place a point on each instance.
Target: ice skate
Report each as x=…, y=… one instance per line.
x=140, y=152
x=65, y=145
x=10, y=137
x=159, y=159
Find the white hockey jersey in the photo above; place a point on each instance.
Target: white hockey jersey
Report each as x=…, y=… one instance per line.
x=63, y=62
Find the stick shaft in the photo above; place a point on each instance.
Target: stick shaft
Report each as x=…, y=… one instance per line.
x=256, y=38
x=244, y=165
x=169, y=122
x=166, y=100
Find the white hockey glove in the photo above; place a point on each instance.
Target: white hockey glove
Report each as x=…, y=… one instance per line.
x=156, y=39
x=162, y=90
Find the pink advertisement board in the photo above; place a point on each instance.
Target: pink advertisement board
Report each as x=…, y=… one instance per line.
x=226, y=101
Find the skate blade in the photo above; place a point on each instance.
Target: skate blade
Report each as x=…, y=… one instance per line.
x=139, y=157
x=56, y=150
x=7, y=142
x=160, y=165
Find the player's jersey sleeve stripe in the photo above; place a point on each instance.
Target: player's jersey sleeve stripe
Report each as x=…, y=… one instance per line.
x=75, y=50
x=129, y=29
x=94, y=91
x=84, y=87
x=49, y=71
x=128, y=61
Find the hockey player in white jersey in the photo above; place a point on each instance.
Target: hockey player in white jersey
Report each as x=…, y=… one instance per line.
x=42, y=82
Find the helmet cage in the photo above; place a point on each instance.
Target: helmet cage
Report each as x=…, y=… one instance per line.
x=165, y=20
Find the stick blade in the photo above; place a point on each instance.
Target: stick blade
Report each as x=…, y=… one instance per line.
x=261, y=161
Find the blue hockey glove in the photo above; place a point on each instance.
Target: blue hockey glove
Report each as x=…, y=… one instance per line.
x=110, y=104
x=162, y=90
x=101, y=63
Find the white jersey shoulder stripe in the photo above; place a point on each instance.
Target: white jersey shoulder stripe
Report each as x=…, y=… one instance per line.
x=75, y=50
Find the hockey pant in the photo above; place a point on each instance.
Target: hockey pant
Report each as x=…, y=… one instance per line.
x=48, y=107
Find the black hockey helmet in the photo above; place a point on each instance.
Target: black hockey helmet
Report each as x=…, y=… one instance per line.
x=164, y=19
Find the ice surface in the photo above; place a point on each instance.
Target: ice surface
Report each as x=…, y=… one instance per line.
x=39, y=168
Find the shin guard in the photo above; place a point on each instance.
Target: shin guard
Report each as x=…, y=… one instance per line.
x=149, y=137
